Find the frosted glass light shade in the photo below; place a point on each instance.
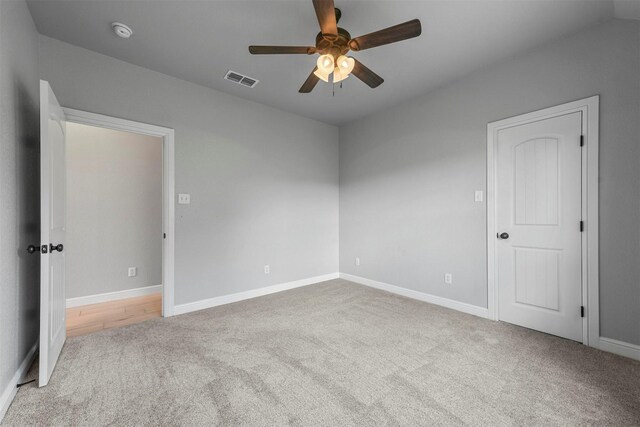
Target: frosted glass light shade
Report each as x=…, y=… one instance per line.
x=325, y=65
x=322, y=75
x=345, y=64
x=338, y=75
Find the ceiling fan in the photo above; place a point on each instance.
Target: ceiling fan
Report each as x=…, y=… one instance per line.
x=333, y=43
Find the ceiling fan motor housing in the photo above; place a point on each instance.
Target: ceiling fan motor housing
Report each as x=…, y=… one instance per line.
x=337, y=47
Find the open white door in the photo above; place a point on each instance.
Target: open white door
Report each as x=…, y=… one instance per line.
x=53, y=222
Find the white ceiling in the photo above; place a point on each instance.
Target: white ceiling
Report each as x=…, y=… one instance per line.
x=199, y=41
x=627, y=9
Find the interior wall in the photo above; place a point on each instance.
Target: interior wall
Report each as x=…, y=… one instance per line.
x=114, y=210
x=408, y=175
x=263, y=182
x=19, y=189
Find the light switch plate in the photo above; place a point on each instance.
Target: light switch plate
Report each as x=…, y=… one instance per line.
x=479, y=196
x=184, y=199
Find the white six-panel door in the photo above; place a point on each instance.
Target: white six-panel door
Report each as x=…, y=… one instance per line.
x=53, y=222
x=538, y=214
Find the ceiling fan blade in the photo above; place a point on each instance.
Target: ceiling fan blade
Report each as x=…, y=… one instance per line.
x=366, y=75
x=310, y=83
x=281, y=50
x=393, y=34
x=326, y=13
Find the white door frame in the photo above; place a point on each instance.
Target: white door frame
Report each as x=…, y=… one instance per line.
x=590, y=287
x=168, y=188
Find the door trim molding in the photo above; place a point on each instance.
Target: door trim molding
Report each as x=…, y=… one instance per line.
x=168, y=188
x=589, y=107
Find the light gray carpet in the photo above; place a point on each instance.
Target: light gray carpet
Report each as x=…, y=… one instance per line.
x=331, y=354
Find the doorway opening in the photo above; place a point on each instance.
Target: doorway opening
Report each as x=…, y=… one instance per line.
x=120, y=182
x=113, y=274
x=542, y=220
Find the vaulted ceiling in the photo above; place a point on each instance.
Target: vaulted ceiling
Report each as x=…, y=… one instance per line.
x=199, y=41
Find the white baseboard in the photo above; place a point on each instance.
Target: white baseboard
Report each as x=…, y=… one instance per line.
x=620, y=347
x=227, y=299
x=421, y=296
x=10, y=391
x=113, y=296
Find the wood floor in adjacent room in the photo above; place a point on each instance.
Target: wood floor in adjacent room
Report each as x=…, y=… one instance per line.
x=112, y=314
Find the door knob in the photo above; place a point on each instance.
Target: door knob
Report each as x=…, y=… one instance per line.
x=33, y=249
x=57, y=247
x=502, y=236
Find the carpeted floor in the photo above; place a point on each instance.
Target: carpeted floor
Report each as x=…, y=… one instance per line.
x=331, y=354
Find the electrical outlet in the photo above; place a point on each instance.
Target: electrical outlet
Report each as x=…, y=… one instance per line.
x=133, y=271
x=357, y=261
x=184, y=199
x=267, y=270
x=448, y=278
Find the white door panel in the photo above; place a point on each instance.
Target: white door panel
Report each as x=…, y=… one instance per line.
x=538, y=203
x=53, y=222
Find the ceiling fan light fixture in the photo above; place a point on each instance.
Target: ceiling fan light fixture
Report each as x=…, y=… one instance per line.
x=332, y=42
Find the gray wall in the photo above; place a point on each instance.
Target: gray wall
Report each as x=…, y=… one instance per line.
x=114, y=210
x=408, y=175
x=263, y=183
x=19, y=187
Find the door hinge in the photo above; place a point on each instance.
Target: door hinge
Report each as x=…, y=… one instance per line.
x=164, y=235
x=582, y=311
x=581, y=140
x=581, y=226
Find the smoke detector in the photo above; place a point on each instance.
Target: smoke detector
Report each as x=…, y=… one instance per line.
x=121, y=30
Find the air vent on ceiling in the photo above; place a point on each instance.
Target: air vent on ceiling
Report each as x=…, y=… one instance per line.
x=241, y=79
